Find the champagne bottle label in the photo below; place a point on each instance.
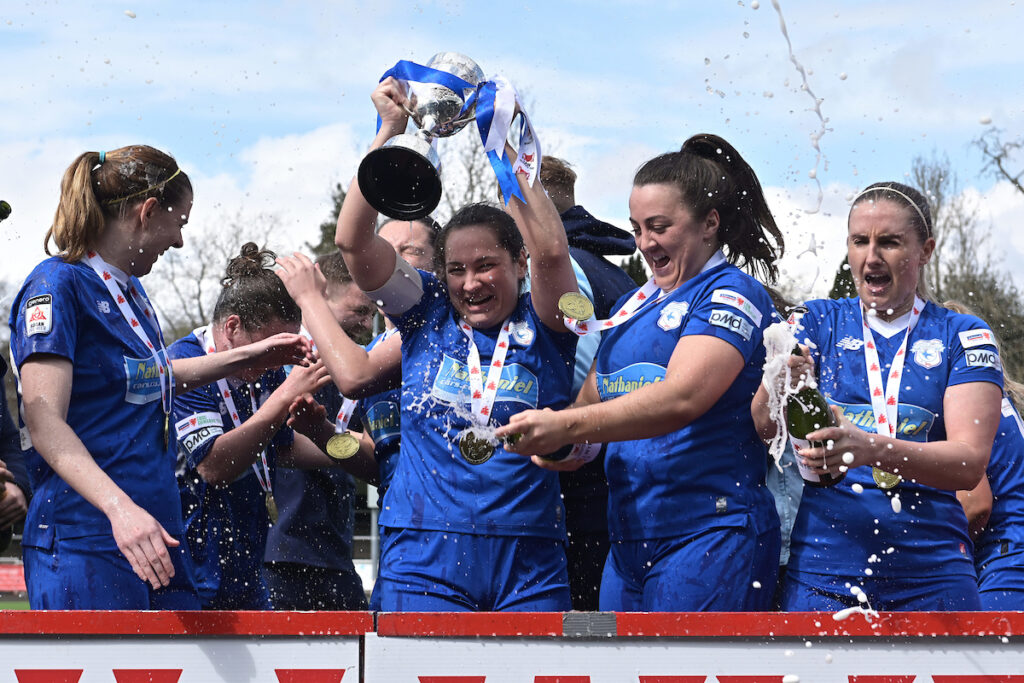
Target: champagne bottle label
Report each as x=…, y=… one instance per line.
x=806, y=473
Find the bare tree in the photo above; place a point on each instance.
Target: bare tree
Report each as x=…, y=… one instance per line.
x=962, y=267
x=184, y=283
x=465, y=173
x=1002, y=157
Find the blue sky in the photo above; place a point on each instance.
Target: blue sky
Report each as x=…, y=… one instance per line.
x=266, y=105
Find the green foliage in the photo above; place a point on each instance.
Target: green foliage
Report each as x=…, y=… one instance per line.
x=328, y=227
x=842, y=286
x=636, y=269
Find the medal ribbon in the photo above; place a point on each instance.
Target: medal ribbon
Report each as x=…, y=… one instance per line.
x=884, y=404
x=482, y=394
x=102, y=270
x=496, y=102
x=627, y=311
x=205, y=337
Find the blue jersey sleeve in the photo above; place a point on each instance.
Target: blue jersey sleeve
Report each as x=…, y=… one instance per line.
x=973, y=353
x=196, y=414
x=735, y=311
x=44, y=319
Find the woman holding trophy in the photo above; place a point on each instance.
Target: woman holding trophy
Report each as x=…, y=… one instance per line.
x=692, y=525
x=467, y=525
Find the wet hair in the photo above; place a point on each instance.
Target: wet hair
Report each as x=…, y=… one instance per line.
x=1013, y=388
x=96, y=188
x=334, y=269
x=916, y=209
x=711, y=175
x=557, y=177
x=254, y=292
x=487, y=215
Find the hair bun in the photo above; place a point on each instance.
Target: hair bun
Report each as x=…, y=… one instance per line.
x=250, y=262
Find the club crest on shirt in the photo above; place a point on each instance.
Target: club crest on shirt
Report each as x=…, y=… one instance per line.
x=927, y=352
x=672, y=315
x=39, y=315
x=849, y=343
x=521, y=332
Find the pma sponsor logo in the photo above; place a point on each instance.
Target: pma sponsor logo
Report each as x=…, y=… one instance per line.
x=733, y=322
x=912, y=422
x=451, y=384
x=629, y=378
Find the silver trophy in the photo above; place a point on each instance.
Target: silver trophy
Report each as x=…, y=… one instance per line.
x=402, y=179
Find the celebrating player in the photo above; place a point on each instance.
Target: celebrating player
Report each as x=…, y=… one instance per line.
x=469, y=526
x=691, y=523
x=916, y=390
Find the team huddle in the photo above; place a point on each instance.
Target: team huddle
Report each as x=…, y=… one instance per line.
x=529, y=455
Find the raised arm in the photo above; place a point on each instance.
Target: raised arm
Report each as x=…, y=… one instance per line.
x=551, y=273
x=356, y=372
x=369, y=258
x=977, y=504
x=46, y=388
x=232, y=452
x=272, y=352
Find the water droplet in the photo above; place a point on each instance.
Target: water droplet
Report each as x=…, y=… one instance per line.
x=842, y=76
x=130, y=14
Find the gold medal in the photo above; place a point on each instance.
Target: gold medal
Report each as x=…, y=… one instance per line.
x=271, y=507
x=885, y=480
x=475, y=450
x=575, y=305
x=167, y=431
x=342, y=446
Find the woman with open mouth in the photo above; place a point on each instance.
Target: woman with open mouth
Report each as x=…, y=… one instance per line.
x=468, y=526
x=916, y=391
x=692, y=525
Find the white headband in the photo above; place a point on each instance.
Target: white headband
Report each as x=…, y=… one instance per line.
x=882, y=188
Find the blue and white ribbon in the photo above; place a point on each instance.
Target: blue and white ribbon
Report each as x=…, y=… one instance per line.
x=495, y=102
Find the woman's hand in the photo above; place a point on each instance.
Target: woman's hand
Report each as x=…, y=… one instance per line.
x=280, y=349
x=306, y=416
x=389, y=98
x=301, y=277
x=539, y=431
x=13, y=505
x=305, y=379
x=842, y=443
x=800, y=368
x=144, y=542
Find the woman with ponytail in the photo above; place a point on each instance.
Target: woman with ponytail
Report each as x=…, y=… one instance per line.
x=692, y=525
x=104, y=530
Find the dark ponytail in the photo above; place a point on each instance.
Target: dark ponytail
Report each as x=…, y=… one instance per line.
x=711, y=174
x=253, y=292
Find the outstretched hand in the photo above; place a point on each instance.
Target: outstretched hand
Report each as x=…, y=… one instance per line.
x=305, y=415
x=538, y=432
x=281, y=349
x=845, y=441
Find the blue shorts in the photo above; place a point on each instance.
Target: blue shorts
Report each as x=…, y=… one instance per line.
x=732, y=569
x=807, y=592
x=90, y=572
x=442, y=571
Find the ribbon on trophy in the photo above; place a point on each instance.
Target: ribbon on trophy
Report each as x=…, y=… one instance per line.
x=495, y=102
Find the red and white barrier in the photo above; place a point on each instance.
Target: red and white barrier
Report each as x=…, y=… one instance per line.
x=335, y=647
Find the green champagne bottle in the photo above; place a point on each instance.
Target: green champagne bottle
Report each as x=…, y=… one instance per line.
x=808, y=411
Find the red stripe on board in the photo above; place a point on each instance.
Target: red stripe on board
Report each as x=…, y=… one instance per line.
x=48, y=675
x=673, y=679
x=210, y=623
x=451, y=679
x=470, y=624
x=309, y=675
x=882, y=679
x=147, y=675
x=979, y=678
x=819, y=624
